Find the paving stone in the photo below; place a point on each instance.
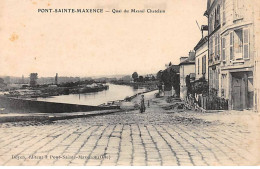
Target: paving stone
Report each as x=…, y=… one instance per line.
x=153, y=138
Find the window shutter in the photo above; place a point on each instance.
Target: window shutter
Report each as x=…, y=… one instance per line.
x=246, y=43
x=218, y=47
x=224, y=13
x=224, y=17
x=198, y=66
x=223, y=49
x=231, y=45
x=204, y=65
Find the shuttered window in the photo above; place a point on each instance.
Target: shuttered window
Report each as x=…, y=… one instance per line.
x=231, y=45
x=223, y=48
x=238, y=43
x=198, y=66
x=204, y=64
x=246, y=43
x=224, y=12
x=211, y=49
x=217, y=17
x=216, y=47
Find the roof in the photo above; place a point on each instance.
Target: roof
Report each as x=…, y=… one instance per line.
x=187, y=62
x=190, y=60
x=201, y=42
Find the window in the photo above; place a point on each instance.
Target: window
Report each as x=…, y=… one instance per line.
x=204, y=65
x=198, y=66
x=210, y=24
x=231, y=45
x=217, y=17
x=246, y=43
x=211, y=48
x=223, y=49
x=240, y=44
x=217, y=78
x=217, y=47
x=223, y=12
x=218, y=51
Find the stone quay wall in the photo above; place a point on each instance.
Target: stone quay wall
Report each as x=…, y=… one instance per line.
x=29, y=106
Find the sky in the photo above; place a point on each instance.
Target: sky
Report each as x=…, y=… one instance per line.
x=96, y=44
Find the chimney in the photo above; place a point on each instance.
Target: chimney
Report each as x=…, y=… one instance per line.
x=204, y=28
x=192, y=55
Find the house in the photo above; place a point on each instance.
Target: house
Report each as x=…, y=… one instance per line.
x=200, y=85
x=213, y=14
x=187, y=67
x=171, y=91
x=201, y=59
x=233, y=51
x=257, y=55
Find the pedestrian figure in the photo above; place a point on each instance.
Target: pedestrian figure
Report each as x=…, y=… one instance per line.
x=148, y=103
x=142, y=107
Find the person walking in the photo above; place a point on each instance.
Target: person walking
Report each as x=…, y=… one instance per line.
x=142, y=107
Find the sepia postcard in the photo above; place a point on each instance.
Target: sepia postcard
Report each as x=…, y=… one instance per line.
x=129, y=83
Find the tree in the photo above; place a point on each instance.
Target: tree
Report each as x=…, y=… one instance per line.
x=159, y=75
x=166, y=79
x=135, y=76
x=175, y=81
x=141, y=79
x=153, y=78
x=33, y=79
x=170, y=79
x=2, y=81
x=147, y=78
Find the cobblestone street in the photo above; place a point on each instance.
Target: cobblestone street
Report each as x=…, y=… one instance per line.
x=157, y=137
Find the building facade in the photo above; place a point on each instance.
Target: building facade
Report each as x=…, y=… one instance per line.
x=201, y=59
x=213, y=14
x=232, y=52
x=257, y=55
x=187, y=68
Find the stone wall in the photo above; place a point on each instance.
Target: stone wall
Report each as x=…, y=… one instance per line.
x=28, y=106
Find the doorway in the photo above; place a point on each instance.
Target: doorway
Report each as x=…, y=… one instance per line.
x=237, y=101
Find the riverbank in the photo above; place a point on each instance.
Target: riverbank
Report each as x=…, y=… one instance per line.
x=33, y=106
x=40, y=117
x=54, y=90
x=150, y=85
x=127, y=99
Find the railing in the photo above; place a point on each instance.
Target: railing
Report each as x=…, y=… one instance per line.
x=206, y=103
x=216, y=103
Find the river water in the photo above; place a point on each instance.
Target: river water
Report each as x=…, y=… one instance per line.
x=115, y=92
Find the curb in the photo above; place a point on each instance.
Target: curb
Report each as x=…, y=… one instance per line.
x=23, y=118
x=50, y=117
x=55, y=118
